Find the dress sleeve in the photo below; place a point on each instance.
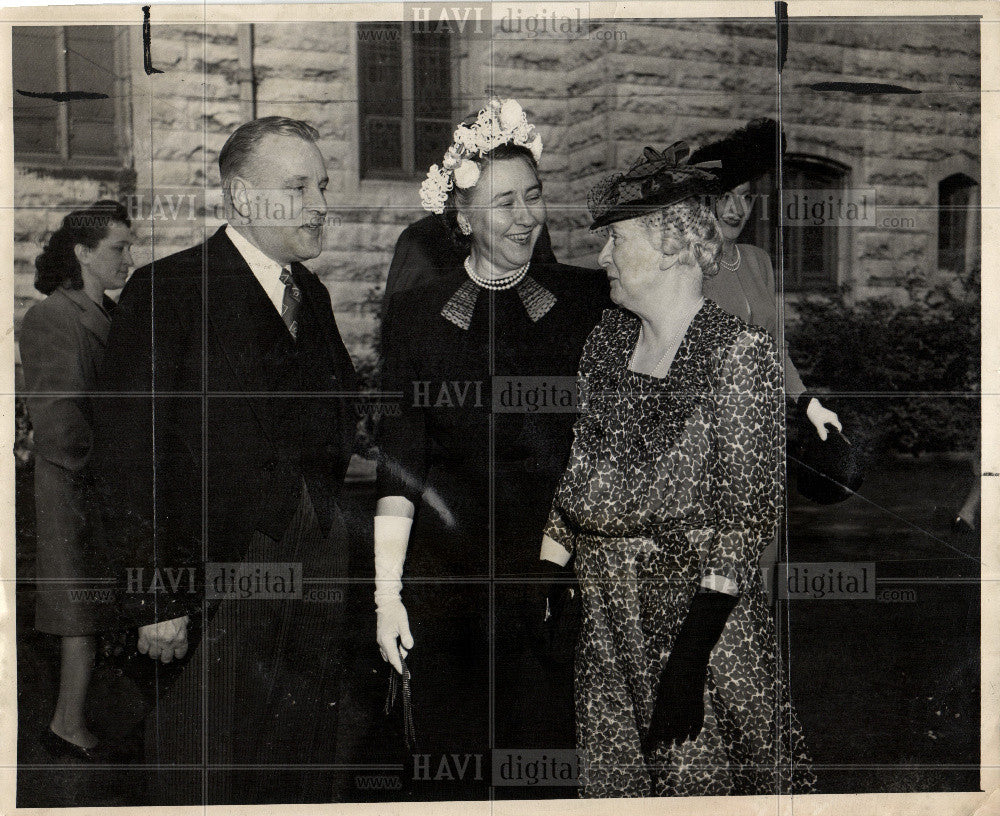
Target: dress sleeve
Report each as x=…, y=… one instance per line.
x=56, y=389
x=768, y=321
x=402, y=436
x=745, y=470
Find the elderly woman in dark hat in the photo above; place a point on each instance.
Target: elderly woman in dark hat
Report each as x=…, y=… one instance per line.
x=671, y=493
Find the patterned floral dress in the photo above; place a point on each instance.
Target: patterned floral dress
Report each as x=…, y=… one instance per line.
x=671, y=479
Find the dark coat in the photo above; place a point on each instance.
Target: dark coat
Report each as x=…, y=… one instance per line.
x=62, y=342
x=201, y=370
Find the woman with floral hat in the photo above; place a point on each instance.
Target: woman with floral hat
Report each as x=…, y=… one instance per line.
x=483, y=356
x=672, y=491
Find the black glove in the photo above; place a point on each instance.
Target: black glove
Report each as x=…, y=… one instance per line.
x=679, y=711
x=550, y=597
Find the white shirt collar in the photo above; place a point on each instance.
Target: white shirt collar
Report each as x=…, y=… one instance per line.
x=266, y=270
x=251, y=254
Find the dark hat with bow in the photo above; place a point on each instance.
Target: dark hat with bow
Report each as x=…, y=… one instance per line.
x=743, y=155
x=652, y=182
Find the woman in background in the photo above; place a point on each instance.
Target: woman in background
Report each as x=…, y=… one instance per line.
x=745, y=284
x=62, y=341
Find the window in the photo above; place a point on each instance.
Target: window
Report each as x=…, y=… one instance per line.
x=50, y=59
x=404, y=93
x=958, y=223
x=812, y=251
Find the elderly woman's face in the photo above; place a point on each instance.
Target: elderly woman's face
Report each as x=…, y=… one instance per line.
x=506, y=213
x=632, y=259
x=732, y=211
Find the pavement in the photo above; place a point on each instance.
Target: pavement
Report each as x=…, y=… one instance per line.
x=886, y=687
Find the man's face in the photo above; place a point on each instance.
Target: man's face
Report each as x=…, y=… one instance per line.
x=281, y=195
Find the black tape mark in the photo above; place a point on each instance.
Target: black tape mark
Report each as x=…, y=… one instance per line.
x=147, y=60
x=862, y=88
x=781, y=22
x=63, y=96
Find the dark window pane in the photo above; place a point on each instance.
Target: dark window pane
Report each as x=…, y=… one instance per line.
x=810, y=251
x=381, y=145
x=432, y=75
x=380, y=68
x=91, y=67
x=380, y=96
x=954, y=199
x=34, y=70
x=431, y=140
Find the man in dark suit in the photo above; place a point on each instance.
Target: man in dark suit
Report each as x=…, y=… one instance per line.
x=227, y=430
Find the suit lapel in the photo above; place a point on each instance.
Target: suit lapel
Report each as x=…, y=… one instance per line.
x=251, y=334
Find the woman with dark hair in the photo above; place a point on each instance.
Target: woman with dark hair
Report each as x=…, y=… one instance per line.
x=62, y=341
x=745, y=284
x=484, y=353
x=671, y=493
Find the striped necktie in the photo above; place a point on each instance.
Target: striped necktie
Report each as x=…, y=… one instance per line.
x=290, y=303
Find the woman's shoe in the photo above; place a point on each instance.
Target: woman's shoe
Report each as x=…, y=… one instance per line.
x=59, y=747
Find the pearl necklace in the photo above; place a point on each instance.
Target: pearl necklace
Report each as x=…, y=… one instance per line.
x=673, y=345
x=496, y=284
x=732, y=267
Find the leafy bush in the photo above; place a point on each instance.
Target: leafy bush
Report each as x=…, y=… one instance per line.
x=902, y=376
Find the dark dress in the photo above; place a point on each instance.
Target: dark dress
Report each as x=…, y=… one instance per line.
x=62, y=342
x=482, y=472
x=671, y=479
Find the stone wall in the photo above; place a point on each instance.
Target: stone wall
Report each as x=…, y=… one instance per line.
x=597, y=102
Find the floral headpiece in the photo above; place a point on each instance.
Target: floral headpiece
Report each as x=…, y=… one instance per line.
x=502, y=121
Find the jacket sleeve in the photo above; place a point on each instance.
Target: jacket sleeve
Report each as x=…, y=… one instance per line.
x=56, y=388
x=748, y=455
x=148, y=431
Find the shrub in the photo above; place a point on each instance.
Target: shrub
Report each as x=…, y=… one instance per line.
x=901, y=376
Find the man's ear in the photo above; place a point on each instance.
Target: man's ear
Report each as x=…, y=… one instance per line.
x=239, y=196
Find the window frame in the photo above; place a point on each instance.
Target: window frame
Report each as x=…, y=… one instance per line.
x=971, y=251
x=408, y=114
x=61, y=161
x=765, y=187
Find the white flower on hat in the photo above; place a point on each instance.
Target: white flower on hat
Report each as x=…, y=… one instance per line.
x=467, y=174
x=511, y=114
x=535, y=146
x=451, y=160
x=434, y=190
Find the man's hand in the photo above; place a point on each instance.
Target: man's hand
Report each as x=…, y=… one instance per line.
x=820, y=417
x=164, y=640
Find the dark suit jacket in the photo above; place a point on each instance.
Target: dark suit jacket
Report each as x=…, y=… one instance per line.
x=213, y=416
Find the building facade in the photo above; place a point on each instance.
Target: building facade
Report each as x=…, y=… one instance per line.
x=385, y=98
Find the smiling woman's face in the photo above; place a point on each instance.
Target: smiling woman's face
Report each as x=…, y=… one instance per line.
x=506, y=213
x=732, y=211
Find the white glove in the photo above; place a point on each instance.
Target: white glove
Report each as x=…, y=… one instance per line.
x=820, y=417
x=392, y=533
